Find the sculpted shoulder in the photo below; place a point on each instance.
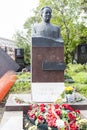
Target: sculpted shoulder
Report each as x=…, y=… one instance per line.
x=55, y=27
x=36, y=27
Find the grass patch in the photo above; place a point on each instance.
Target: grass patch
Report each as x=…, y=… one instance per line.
x=78, y=73
x=22, y=84
x=81, y=88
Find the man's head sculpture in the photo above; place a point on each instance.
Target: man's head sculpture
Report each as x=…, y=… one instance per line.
x=45, y=29
x=46, y=14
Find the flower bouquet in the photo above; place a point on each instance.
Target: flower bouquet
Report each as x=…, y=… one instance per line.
x=69, y=90
x=69, y=94
x=53, y=117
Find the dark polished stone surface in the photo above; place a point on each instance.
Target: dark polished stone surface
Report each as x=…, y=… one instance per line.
x=47, y=54
x=53, y=66
x=46, y=42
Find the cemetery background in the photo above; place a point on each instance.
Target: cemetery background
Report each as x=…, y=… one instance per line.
x=81, y=87
x=72, y=28
x=22, y=86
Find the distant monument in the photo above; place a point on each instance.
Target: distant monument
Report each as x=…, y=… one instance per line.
x=80, y=55
x=7, y=63
x=47, y=59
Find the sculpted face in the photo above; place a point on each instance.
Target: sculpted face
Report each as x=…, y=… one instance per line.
x=46, y=15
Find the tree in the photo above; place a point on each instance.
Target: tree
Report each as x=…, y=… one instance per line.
x=66, y=13
x=23, y=42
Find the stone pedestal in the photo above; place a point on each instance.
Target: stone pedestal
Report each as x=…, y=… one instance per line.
x=47, y=69
x=46, y=92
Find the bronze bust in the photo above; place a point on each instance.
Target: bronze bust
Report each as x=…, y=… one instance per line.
x=45, y=28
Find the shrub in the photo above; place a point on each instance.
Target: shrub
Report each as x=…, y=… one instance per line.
x=78, y=73
x=22, y=84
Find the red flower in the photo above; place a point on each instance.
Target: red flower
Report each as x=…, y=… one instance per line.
x=51, y=120
x=40, y=119
x=56, y=106
x=77, y=111
x=35, y=108
x=71, y=116
x=67, y=107
x=42, y=109
x=42, y=105
x=58, y=112
x=73, y=126
x=49, y=113
x=32, y=116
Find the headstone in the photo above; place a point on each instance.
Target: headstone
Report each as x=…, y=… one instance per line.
x=47, y=60
x=19, y=56
x=81, y=53
x=47, y=69
x=7, y=63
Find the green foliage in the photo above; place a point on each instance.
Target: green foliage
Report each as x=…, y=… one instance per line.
x=23, y=42
x=23, y=75
x=82, y=89
x=80, y=77
x=65, y=14
x=78, y=73
x=72, y=68
x=22, y=84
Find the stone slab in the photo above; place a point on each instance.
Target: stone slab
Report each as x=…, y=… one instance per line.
x=84, y=113
x=46, y=42
x=12, y=105
x=12, y=121
x=46, y=92
x=7, y=63
x=82, y=105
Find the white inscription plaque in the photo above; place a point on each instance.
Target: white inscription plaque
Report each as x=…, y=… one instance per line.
x=46, y=92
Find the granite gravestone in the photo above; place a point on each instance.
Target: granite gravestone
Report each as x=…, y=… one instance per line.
x=81, y=54
x=47, y=60
x=19, y=56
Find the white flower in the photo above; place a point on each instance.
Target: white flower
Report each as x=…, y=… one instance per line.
x=33, y=127
x=60, y=123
